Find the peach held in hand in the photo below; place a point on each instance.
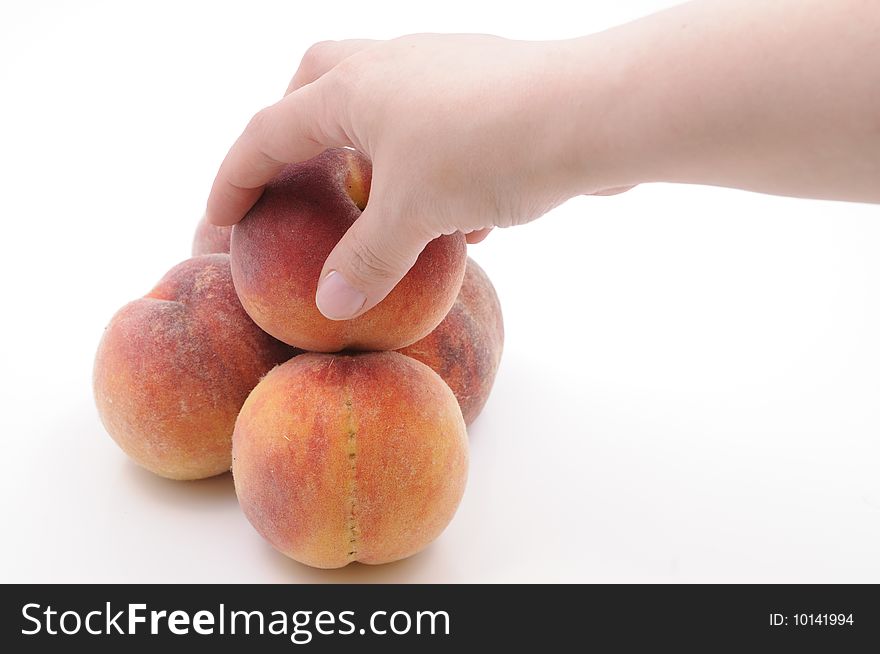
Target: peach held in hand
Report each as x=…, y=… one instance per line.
x=279, y=249
x=465, y=349
x=341, y=458
x=173, y=369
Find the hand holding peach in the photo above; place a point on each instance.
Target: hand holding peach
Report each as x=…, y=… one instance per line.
x=277, y=252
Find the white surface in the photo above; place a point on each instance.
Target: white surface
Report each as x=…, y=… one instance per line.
x=690, y=385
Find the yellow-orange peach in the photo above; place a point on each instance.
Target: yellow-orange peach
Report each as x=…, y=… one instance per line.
x=174, y=367
x=341, y=458
x=210, y=239
x=279, y=249
x=465, y=349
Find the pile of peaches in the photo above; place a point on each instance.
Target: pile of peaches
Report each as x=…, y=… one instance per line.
x=346, y=439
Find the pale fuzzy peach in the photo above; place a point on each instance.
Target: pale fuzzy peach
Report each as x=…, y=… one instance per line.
x=210, y=239
x=173, y=369
x=278, y=251
x=342, y=458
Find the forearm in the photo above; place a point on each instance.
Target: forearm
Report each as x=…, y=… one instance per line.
x=780, y=97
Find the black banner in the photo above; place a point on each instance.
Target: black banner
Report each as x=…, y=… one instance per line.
x=435, y=618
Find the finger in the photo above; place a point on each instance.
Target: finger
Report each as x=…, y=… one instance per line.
x=292, y=130
x=367, y=263
x=323, y=56
x=477, y=235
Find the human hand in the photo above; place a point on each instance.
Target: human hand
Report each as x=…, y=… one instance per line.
x=465, y=132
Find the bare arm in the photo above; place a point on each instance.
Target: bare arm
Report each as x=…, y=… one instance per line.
x=781, y=96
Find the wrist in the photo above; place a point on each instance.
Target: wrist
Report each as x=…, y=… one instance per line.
x=602, y=142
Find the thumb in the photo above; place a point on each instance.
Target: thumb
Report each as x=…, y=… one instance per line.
x=368, y=262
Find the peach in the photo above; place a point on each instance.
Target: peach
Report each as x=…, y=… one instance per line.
x=350, y=457
x=279, y=249
x=174, y=367
x=465, y=349
x=210, y=239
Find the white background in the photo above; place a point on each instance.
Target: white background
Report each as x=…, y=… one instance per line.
x=689, y=389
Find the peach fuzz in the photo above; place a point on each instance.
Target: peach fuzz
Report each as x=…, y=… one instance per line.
x=351, y=457
x=279, y=249
x=174, y=367
x=465, y=349
x=210, y=239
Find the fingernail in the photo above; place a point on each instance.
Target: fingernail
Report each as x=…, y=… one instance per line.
x=337, y=299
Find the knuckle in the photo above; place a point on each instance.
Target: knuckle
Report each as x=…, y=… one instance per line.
x=316, y=54
x=368, y=264
x=259, y=123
